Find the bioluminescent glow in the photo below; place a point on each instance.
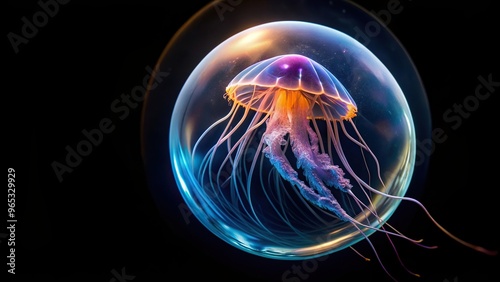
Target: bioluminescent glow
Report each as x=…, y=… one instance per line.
x=291, y=140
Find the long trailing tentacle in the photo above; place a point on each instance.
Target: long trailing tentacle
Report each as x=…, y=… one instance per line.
x=439, y=226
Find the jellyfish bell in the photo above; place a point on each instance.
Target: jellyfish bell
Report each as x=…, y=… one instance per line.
x=292, y=74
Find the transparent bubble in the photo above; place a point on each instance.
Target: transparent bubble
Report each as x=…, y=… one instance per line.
x=246, y=161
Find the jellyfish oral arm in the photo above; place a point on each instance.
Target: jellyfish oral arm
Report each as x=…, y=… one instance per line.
x=290, y=117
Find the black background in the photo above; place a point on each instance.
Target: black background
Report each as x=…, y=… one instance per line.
x=101, y=217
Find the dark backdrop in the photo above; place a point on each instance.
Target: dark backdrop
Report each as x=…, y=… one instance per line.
x=100, y=223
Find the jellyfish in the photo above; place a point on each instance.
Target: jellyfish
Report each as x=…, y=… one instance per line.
x=305, y=111
x=290, y=90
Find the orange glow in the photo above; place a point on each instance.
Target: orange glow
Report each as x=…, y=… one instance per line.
x=291, y=100
x=351, y=112
x=287, y=101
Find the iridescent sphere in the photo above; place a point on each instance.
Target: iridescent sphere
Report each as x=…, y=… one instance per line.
x=282, y=133
x=293, y=133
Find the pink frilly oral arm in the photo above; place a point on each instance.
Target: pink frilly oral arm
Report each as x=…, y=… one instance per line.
x=307, y=158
